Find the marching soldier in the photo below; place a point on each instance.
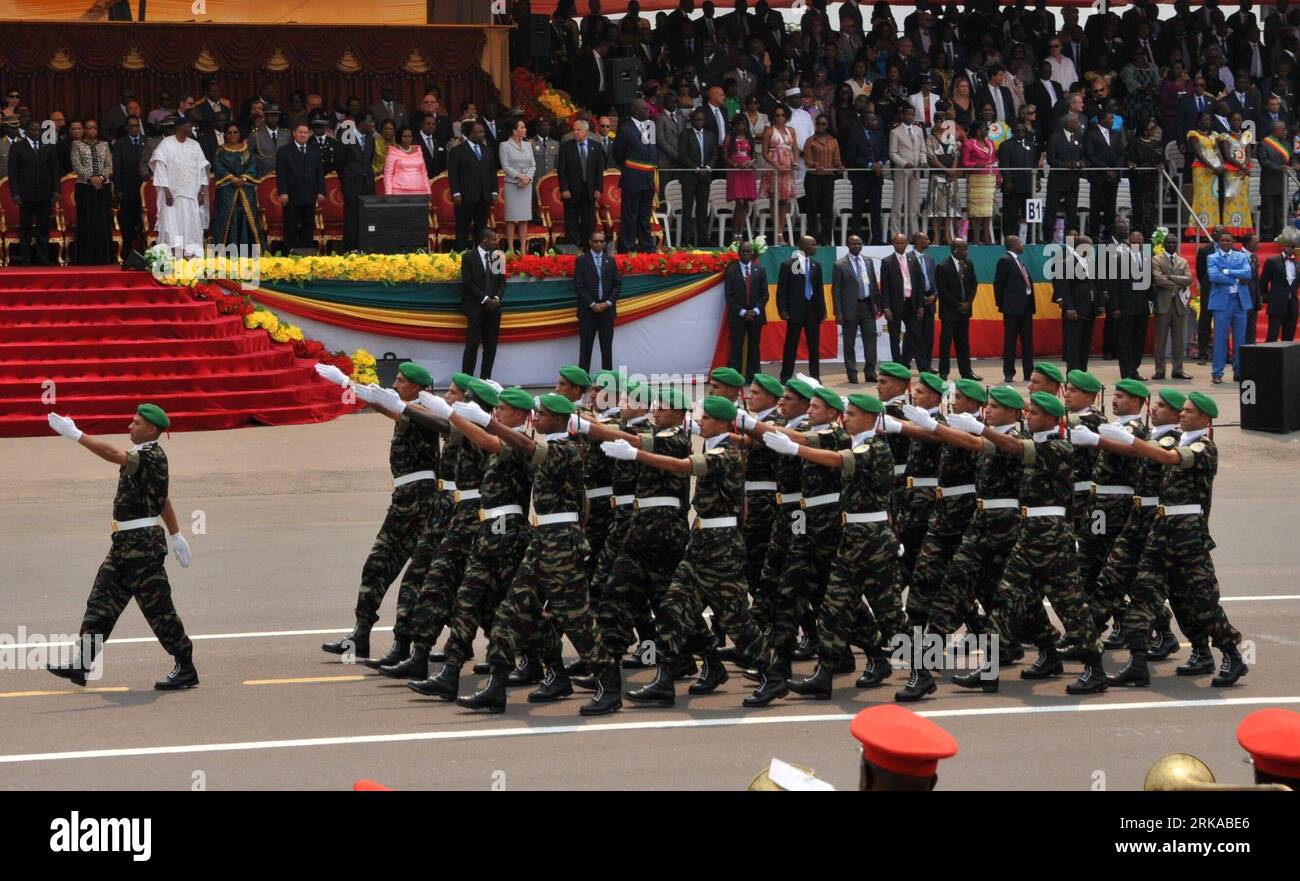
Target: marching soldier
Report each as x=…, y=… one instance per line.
x=134, y=565
x=761, y=466
x=893, y=385
x=724, y=382
x=598, y=474
x=1046, y=377
x=1081, y=390
x=921, y=478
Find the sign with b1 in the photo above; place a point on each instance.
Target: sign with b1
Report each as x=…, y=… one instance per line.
x=1033, y=211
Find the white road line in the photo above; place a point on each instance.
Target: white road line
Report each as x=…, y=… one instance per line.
x=597, y=728
x=1262, y=598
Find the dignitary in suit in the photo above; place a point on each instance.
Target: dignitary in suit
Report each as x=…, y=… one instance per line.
x=433, y=146
x=1065, y=156
x=300, y=184
x=356, y=158
x=126, y=177
x=697, y=152
x=580, y=172
x=907, y=155
x=1081, y=298
x=472, y=179
x=1131, y=302
x=867, y=147
x=597, y=283
x=1018, y=151
x=855, y=293
x=956, y=285
x=920, y=346
x=902, y=288
x=388, y=107
x=635, y=153
x=1013, y=292
x=483, y=282
x=34, y=184
x=745, y=288
x=1275, y=164
x=1104, y=148
x=267, y=139
x=1278, y=291
x=1171, y=282
x=801, y=304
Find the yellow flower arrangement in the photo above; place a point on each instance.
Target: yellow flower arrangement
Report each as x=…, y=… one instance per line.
x=383, y=268
x=363, y=368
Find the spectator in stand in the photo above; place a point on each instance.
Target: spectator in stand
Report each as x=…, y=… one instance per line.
x=520, y=169
x=741, y=155
x=404, y=170
x=92, y=162
x=822, y=156
x=387, y=135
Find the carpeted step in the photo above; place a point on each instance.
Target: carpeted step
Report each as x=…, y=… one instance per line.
x=279, y=356
x=109, y=296
x=317, y=391
x=218, y=327
x=110, y=349
x=118, y=313
x=301, y=372
x=76, y=279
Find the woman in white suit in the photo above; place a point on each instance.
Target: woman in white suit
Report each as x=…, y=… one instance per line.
x=519, y=165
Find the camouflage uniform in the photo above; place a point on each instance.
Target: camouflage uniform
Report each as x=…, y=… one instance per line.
x=547, y=596
x=652, y=545
x=712, y=573
x=912, y=516
x=948, y=519
x=623, y=477
x=134, y=565
x=440, y=510
x=789, y=482
x=597, y=477
x=414, y=448
x=761, y=466
x=900, y=445
x=1113, y=480
x=1085, y=460
x=1177, y=553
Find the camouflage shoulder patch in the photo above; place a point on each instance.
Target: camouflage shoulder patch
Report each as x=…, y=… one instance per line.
x=1074, y=420
x=862, y=448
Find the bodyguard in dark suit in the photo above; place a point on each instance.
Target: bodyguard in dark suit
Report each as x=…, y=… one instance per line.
x=921, y=345
x=580, y=173
x=597, y=283
x=697, y=150
x=326, y=146
x=1251, y=246
x=900, y=297
x=866, y=146
x=745, y=287
x=1081, y=297
x=956, y=283
x=1277, y=287
x=433, y=146
x=483, y=282
x=1065, y=156
x=126, y=183
x=1103, y=148
x=1013, y=292
x=1018, y=151
x=1131, y=303
x=34, y=185
x=801, y=304
x=472, y=177
x=300, y=184
x=855, y=292
x=356, y=159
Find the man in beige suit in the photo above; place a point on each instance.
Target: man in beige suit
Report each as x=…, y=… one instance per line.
x=906, y=155
x=1170, y=276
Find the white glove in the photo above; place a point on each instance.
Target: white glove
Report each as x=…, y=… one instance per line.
x=808, y=379
x=920, y=417
x=182, y=550
x=330, y=373
x=578, y=425
x=368, y=392
x=1112, y=433
x=435, y=404
x=619, y=449
x=965, y=422
x=1083, y=436
x=780, y=442
x=892, y=425
x=64, y=426
x=745, y=421
x=390, y=400
x=472, y=412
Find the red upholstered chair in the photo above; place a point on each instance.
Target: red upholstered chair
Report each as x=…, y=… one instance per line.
x=610, y=208
x=8, y=219
x=443, y=211
x=272, y=211
x=149, y=202
x=551, y=207
x=65, y=221
x=331, y=213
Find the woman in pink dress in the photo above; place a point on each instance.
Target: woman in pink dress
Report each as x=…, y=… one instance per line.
x=981, y=157
x=780, y=149
x=742, y=186
x=404, y=171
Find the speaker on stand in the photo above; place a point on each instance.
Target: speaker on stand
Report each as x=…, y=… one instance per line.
x=623, y=80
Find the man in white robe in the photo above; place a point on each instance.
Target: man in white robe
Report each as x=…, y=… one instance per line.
x=180, y=176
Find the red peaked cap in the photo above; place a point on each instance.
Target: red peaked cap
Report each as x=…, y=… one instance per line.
x=898, y=740
x=366, y=785
x=1272, y=737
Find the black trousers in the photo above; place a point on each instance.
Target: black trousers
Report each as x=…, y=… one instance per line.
x=580, y=218
x=1204, y=328
x=955, y=332
x=1110, y=336
x=1017, y=327
x=1076, y=341
x=1062, y=198
x=1103, y=193
x=1132, y=339
x=746, y=337
x=634, y=221
x=483, y=329
x=299, y=226
x=1281, y=325
x=34, y=232
x=810, y=327
x=1013, y=212
x=130, y=218
x=867, y=192
x=94, y=242
x=862, y=324
x=590, y=326
x=1144, y=186
x=819, y=191
x=904, y=353
x=919, y=342
x=695, y=207
x=471, y=220
x=352, y=220
x=1252, y=326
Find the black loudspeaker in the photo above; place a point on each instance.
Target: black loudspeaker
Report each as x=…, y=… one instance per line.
x=393, y=224
x=539, y=37
x=308, y=251
x=622, y=80
x=386, y=368
x=1270, y=387
x=134, y=260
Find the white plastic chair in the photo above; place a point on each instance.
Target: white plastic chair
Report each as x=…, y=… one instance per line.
x=671, y=209
x=842, y=207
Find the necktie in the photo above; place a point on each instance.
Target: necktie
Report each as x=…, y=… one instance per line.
x=925, y=274
x=807, y=281
x=749, y=298
x=302, y=148
x=699, y=136
x=600, y=289
x=862, y=285
x=926, y=99
x=1023, y=273
x=477, y=155
x=582, y=153
x=961, y=281
x=135, y=142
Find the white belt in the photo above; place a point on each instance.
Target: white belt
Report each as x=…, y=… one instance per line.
x=549, y=519
x=921, y=482
x=624, y=500
x=818, y=501
x=1110, y=489
x=1083, y=486
x=900, y=470
x=991, y=504
x=964, y=489
x=868, y=517
x=1044, y=511
x=502, y=511
x=757, y=486
x=658, y=502
x=789, y=498
x=1146, y=501
x=1175, y=510
x=600, y=492
x=413, y=477
x=714, y=522
x=139, y=523
x=465, y=495
x=447, y=485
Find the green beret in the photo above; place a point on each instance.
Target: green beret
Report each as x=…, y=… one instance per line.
x=720, y=408
x=462, y=381
x=673, y=399
x=516, y=397
x=934, y=381
x=801, y=388
x=830, y=397
x=1084, y=381
x=1201, y=401
x=866, y=403
x=415, y=373
x=1007, y=396
x=576, y=375
x=1050, y=404
x=483, y=392
x=153, y=413
x=894, y=369
x=1050, y=370
x=973, y=390
x=557, y=404
x=728, y=376
x=606, y=379
x=769, y=383
x=1173, y=398
x=1133, y=387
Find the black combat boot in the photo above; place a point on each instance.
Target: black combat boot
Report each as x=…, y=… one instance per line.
x=357, y=642
x=1163, y=645
x=875, y=672
x=806, y=650
x=414, y=667
x=609, y=693
x=1114, y=640
x=1045, y=666
x=555, y=685
x=443, y=686
x=1135, y=672
x=730, y=654
x=685, y=668
x=1093, y=678
x=661, y=692
x=1232, y=668
x=712, y=674
x=529, y=672
x=482, y=668
x=491, y=697
x=74, y=672
x=1199, y=662
x=818, y=685
x=845, y=664
x=577, y=667
x=772, y=687
x=984, y=679
x=1011, y=654
x=183, y=675
x=400, y=651
x=919, y=684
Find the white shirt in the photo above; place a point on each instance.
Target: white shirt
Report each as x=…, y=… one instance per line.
x=1043, y=436
x=1125, y=420
x=763, y=414
x=1003, y=429
x=1158, y=430
x=863, y=436
x=797, y=421
x=1191, y=437
x=1290, y=271
x=711, y=442
x=1063, y=72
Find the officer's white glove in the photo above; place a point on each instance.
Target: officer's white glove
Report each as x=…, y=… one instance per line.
x=471, y=412
x=181, y=548
x=966, y=422
x=891, y=425
x=368, y=392
x=780, y=442
x=1083, y=436
x=435, y=404
x=745, y=421
x=619, y=449
x=1113, y=433
x=64, y=426
x=578, y=425
x=920, y=417
x=330, y=373
x=390, y=400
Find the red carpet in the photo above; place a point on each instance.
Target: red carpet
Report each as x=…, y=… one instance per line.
x=109, y=340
